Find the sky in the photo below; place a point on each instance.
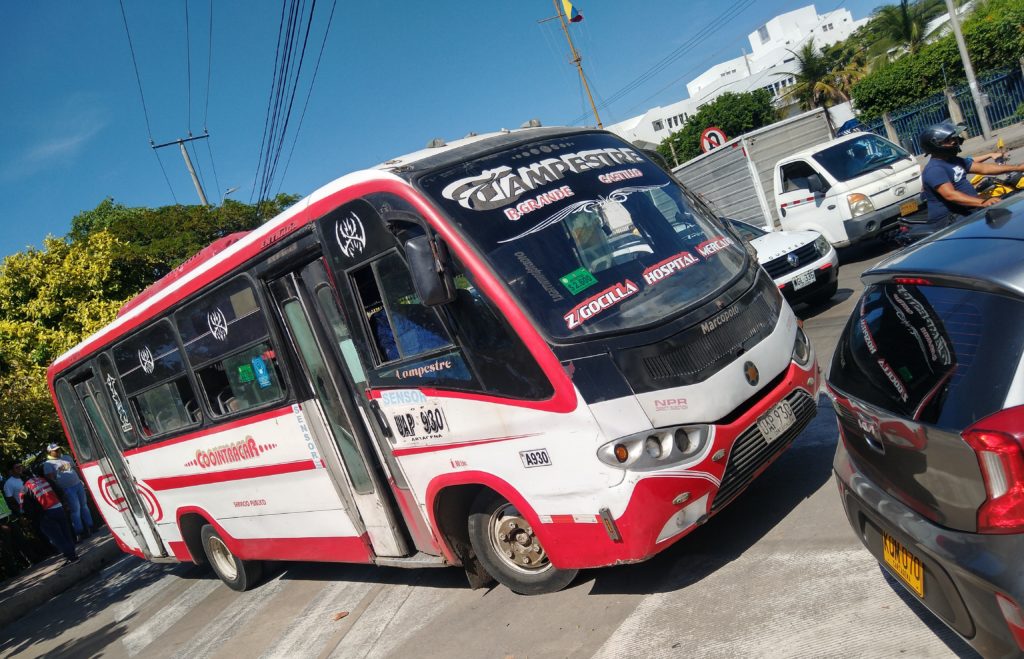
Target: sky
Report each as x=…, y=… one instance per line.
x=393, y=76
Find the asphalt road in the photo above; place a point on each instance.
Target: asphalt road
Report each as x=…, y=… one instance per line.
x=777, y=574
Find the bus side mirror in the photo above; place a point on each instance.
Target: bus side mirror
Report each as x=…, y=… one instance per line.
x=430, y=277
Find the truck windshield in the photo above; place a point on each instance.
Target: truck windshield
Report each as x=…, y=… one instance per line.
x=589, y=234
x=858, y=156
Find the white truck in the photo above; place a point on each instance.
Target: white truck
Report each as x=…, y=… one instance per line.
x=793, y=175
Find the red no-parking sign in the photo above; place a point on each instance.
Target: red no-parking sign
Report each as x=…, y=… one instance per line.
x=712, y=138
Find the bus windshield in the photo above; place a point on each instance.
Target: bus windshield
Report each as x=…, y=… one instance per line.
x=589, y=234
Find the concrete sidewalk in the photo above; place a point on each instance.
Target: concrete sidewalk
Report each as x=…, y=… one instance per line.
x=51, y=577
x=1012, y=136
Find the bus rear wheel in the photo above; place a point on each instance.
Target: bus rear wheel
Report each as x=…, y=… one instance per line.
x=507, y=547
x=237, y=574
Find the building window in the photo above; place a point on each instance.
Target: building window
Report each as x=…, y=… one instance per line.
x=658, y=125
x=763, y=33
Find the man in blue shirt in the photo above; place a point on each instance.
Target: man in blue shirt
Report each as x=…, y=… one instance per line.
x=947, y=189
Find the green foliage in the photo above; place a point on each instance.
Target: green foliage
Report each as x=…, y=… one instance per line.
x=734, y=113
x=53, y=297
x=995, y=40
x=820, y=80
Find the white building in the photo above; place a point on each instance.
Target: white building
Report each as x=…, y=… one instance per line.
x=770, y=64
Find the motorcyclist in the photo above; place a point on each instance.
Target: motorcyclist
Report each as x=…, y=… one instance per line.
x=947, y=189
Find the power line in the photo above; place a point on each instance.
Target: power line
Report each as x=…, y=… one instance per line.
x=289, y=57
x=702, y=35
x=138, y=79
x=188, y=70
x=213, y=165
x=209, y=71
x=316, y=69
x=142, y=98
x=161, y=163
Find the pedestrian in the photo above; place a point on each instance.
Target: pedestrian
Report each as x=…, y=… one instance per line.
x=947, y=189
x=14, y=484
x=60, y=469
x=39, y=500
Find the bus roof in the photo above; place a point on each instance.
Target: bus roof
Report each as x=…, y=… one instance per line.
x=216, y=260
x=431, y=158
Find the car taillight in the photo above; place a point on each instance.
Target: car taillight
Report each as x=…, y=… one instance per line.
x=996, y=441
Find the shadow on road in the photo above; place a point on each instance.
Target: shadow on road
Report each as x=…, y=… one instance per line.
x=869, y=249
x=955, y=644
x=794, y=477
x=78, y=605
x=805, y=311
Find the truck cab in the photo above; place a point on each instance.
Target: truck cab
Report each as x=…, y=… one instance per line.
x=849, y=189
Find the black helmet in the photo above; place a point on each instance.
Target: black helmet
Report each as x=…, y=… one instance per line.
x=932, y=137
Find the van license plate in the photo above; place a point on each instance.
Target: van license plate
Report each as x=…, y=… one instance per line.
x=907, y=566
x=908, y=207
x=777, y=421
x=803, y=280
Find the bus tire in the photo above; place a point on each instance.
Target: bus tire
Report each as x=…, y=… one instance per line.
x=505, y=544
x=237, y=574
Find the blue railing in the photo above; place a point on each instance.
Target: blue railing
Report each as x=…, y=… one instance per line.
x=1005, y=91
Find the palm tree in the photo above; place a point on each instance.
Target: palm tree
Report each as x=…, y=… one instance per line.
x=903, y=25
x=820, y=83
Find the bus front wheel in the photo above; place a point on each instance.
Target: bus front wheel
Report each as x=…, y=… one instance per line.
x=505, y=544
x=237, y=574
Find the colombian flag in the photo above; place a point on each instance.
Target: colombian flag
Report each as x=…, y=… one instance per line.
x=571, y=12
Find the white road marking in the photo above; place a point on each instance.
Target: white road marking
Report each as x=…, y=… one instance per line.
x=165, y=618
x=780, y=609
x=311, y=628
x=393, y=617
x=232, y=620
x=138, y=599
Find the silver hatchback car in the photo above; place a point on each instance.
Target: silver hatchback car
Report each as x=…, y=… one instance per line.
x=927, y=381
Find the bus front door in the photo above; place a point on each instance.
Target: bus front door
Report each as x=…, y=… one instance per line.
x=119, y=485
x=298, y=301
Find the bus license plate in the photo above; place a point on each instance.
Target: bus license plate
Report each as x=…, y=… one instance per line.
x=776, y=421
x=908, y=207
x=907, y=566
x=802, y=280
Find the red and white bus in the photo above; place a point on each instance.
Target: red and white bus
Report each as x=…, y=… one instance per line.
x=524, y=353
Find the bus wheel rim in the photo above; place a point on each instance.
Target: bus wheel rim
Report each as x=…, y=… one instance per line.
x=222, y=558
x=515, y=542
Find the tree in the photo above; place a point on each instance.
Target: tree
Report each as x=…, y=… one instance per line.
x=994, y=38
x=904, y=25
x=820, y=81
x=733, y=113
x=53, y=297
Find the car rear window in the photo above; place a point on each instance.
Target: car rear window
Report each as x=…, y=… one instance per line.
x=942, y=356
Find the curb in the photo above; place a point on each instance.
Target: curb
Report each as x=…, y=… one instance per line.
x=38, y=591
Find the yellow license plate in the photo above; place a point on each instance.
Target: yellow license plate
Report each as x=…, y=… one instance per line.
x=909, y=207
x=908, y=567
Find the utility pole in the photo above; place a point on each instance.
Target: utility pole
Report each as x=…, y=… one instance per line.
x=188, y=161
x=576, y=59
x=979, y=98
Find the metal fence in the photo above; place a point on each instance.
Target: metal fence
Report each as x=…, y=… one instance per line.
x=1005, y=92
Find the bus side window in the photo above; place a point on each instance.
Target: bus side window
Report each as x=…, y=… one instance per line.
x=157, y=387
x=498, y=355
x=399, y=326
x=227, y=343
x=81, y=433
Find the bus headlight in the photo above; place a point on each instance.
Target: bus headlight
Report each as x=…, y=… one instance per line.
x=801, y=348
x=859, y=204
x=656, y=449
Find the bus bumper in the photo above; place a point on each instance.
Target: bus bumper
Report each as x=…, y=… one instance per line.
x=665, y=506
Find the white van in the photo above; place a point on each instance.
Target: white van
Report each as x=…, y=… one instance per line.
x=850, y=188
